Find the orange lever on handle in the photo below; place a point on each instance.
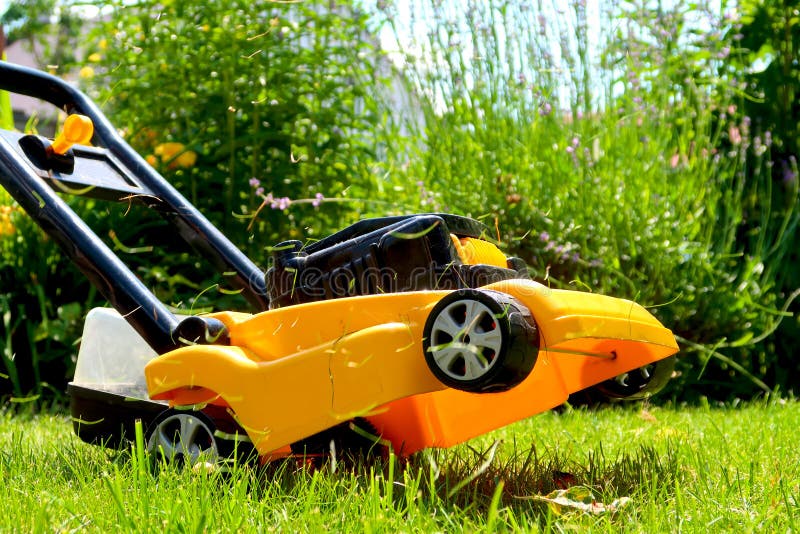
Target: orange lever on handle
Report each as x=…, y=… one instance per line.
x=78, y=130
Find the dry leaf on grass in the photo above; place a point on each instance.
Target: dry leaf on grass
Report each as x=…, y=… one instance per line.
x=579, y=499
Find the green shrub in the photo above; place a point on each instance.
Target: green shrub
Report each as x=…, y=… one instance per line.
x=619, y=161
x=266, y=102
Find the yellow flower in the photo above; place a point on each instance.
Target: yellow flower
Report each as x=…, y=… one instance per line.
x=95, y=58
x=6, y=226
x=152, y=160
x=168, y=150
x=86, y=72
x=176, y=154
x=102, y=44
x=185, y=160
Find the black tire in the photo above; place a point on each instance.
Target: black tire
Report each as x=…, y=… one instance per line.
x=639, y=383
x=480, y=341
x=356, y=438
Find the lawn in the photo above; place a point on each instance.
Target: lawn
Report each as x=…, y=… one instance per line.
x=732, y=468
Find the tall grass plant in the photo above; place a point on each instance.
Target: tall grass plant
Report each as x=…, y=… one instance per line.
x=610, y=152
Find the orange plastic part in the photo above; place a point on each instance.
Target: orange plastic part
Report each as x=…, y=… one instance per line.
x=585, y=339
x=78, y=130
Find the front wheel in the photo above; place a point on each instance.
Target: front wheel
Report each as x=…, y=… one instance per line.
x=480, y=341
x=183, y=437
x=189, y=437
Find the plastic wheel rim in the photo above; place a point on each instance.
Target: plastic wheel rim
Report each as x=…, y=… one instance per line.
x=644, y=373
x=465, y=340
x=184, y=437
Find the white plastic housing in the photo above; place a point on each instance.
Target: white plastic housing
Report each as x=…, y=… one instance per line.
x=112, y=355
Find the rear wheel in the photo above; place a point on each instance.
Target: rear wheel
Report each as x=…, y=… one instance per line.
x=480, y=341
x=634, y=385
x=638, y=383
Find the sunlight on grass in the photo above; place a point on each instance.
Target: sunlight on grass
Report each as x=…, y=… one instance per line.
x=730, y=469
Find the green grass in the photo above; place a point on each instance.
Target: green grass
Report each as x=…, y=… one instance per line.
x=689, y=469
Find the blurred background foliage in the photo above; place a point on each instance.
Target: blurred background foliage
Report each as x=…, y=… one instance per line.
x=638, y=150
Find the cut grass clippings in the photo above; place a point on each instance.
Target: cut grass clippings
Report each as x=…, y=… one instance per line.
x=645, y=469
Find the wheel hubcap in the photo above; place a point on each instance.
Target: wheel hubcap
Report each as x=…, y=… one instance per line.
x=465, y=339
x=637, y=378
x=184, y=438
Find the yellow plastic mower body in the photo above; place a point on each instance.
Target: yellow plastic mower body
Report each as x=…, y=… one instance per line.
x=292, y=372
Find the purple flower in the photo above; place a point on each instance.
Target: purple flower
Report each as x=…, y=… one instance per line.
x=260, y=191
x=542, y=24
x=545, y=109
x=281, y=203
x=789, y=176
x=734, y=134
x=544, y=236
x=317, y=200
x=254, y=182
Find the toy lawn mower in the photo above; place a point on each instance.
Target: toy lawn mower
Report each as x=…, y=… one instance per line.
x=416, y=331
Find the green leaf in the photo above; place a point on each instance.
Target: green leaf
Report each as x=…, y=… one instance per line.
x=744, y=340
x=6, y=113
